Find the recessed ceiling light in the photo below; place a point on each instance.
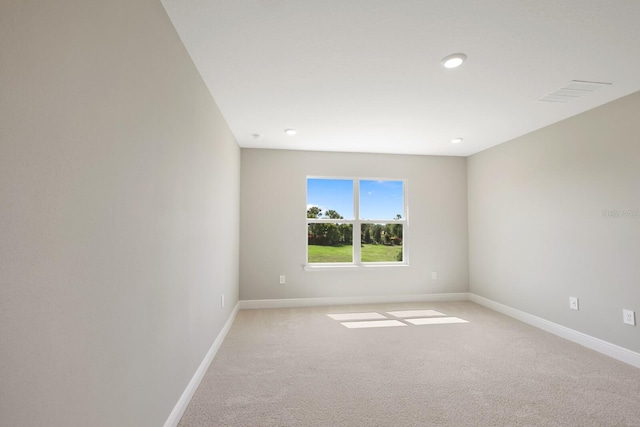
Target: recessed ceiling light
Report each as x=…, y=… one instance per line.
x=290, y=131
x=453, y=60
x=456, y=140
x=256, y=135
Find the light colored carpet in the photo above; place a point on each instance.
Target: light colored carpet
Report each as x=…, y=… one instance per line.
x=299, y=367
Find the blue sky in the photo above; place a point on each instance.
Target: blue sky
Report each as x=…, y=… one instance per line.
x=378, y=199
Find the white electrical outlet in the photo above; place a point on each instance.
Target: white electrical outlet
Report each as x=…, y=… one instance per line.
x=222, y=301
x=573, y=303
x=434, y=275
x=629, y=317
x=282, y=279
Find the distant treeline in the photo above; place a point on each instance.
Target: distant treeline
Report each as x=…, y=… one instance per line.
x=342, y=234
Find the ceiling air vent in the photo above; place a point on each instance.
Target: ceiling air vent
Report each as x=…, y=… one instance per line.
x=573, y=90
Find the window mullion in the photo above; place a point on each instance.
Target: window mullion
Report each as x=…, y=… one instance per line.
x=356, y=226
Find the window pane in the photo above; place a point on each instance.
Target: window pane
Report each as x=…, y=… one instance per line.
x=329, y=198
x=330, y=243
x=381, y=200
x=381, y=242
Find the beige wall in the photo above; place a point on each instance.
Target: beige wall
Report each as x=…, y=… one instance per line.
x=537, y=234
x=119, y=193
x=273, y=225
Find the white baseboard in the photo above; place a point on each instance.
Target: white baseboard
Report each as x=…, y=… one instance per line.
x=183, y=402
x=620, y=353
x=325, y=301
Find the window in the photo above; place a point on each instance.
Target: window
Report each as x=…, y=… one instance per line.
x=369, y=212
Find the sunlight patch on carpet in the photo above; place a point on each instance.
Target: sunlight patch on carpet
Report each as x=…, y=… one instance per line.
x=356, y=316
x=373, y=324
x=436, y=320
x=404, y=318
x=415, y=313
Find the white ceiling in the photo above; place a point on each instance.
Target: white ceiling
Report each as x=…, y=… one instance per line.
x=366, y=76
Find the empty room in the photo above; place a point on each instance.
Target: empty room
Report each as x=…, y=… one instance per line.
x=319, y=213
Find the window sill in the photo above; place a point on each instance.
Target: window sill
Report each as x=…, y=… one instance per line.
x=334, y=267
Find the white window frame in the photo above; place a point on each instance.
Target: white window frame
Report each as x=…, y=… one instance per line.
x=356, y=222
